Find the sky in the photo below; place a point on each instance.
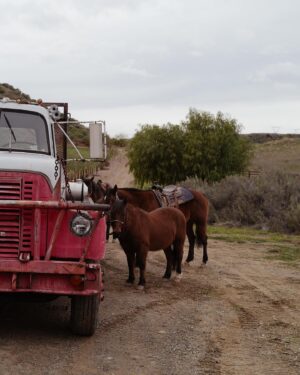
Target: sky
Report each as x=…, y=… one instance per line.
x=135, y=62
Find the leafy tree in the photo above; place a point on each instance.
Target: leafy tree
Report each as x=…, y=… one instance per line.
x=214, y=148
x=156, y=154
x=204, y=146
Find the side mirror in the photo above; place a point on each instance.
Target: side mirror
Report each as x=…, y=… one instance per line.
x=97, y=140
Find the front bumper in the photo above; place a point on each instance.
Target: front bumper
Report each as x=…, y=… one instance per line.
x=51, y=277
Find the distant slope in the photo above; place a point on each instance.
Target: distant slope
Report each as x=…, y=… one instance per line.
x=8, y=91
x=282, y=154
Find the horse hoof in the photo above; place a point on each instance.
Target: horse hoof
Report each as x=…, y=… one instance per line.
x=141, y=287
x=202, y=265
x=113, y=241
x=178, y=277
x=187, y=263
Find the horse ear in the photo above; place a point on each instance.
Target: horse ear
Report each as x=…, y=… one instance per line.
x=115, y=189
x=92, y=179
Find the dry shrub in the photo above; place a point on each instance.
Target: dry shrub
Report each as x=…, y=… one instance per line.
x=269, y=201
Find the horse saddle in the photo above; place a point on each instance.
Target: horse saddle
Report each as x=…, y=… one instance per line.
x=172, y=195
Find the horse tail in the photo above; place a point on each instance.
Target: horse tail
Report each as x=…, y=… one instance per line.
x=201, y=236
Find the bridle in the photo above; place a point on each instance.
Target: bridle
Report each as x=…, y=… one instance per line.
x=117, y=221
x=123, y=221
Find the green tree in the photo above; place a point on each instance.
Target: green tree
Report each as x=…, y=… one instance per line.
x=156, y=154
x=204, y=146
x=214, y=147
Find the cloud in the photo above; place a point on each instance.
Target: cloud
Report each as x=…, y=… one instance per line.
x=282, y=71
x=159, y=55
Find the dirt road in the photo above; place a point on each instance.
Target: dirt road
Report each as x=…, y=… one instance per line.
x=238, y=315
x=118, y=170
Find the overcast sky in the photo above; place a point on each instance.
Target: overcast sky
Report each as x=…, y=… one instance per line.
x=132, y=62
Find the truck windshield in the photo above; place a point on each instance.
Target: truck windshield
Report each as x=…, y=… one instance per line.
x=23, y=131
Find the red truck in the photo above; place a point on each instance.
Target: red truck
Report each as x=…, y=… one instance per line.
x=52, y=235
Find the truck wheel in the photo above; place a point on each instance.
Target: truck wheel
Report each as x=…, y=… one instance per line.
x=84, y=314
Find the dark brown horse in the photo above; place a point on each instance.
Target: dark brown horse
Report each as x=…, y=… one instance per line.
x=195, y=212
x=97, y=191
x=139, y=232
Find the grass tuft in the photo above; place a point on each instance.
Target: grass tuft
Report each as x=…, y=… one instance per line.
x=282, y=247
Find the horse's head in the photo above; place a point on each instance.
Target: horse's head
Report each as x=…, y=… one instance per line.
x=111, y=195
x=118, y=216
x=95, y=189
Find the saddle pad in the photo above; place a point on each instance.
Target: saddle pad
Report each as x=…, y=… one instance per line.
x=177, y=195
x=173, y=196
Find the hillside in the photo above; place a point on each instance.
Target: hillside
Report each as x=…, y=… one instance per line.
x=8, y=91
x=281, y=154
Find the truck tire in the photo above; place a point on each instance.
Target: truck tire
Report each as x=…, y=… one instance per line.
x=84, y=314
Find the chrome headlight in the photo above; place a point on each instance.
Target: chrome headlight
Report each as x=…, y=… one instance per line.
x=81, y=224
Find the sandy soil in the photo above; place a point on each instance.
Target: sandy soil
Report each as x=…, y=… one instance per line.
x=118, y=171
x=237, y=315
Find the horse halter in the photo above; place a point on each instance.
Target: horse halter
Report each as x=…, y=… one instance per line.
x=117, y=221
x=122, y=221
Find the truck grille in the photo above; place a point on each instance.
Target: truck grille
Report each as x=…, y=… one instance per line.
x=16, y=225
x=9, y=233
x=10, y=189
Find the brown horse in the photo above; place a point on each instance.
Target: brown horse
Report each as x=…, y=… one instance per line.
x=195, y=212
x=97, y=191
x=139, y=232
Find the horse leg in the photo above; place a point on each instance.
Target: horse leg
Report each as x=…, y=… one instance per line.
x=191, y=237
x=141, y=261
x=178, y=251
x=130, y=261
x=169, y=255
x=107, y=229
x=202, y=239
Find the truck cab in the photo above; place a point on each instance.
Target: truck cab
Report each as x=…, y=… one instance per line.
x=51, y=241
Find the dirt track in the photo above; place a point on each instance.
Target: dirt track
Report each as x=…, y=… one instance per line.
x=237, y=315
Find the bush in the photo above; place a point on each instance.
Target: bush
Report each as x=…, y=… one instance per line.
x=269, y=201
x=156, y=155
x=213, y=147
x=207, y=146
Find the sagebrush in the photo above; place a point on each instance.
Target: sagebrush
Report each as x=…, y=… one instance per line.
x=270, y=201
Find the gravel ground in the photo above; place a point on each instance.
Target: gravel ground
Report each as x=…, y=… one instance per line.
x=237, y=315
